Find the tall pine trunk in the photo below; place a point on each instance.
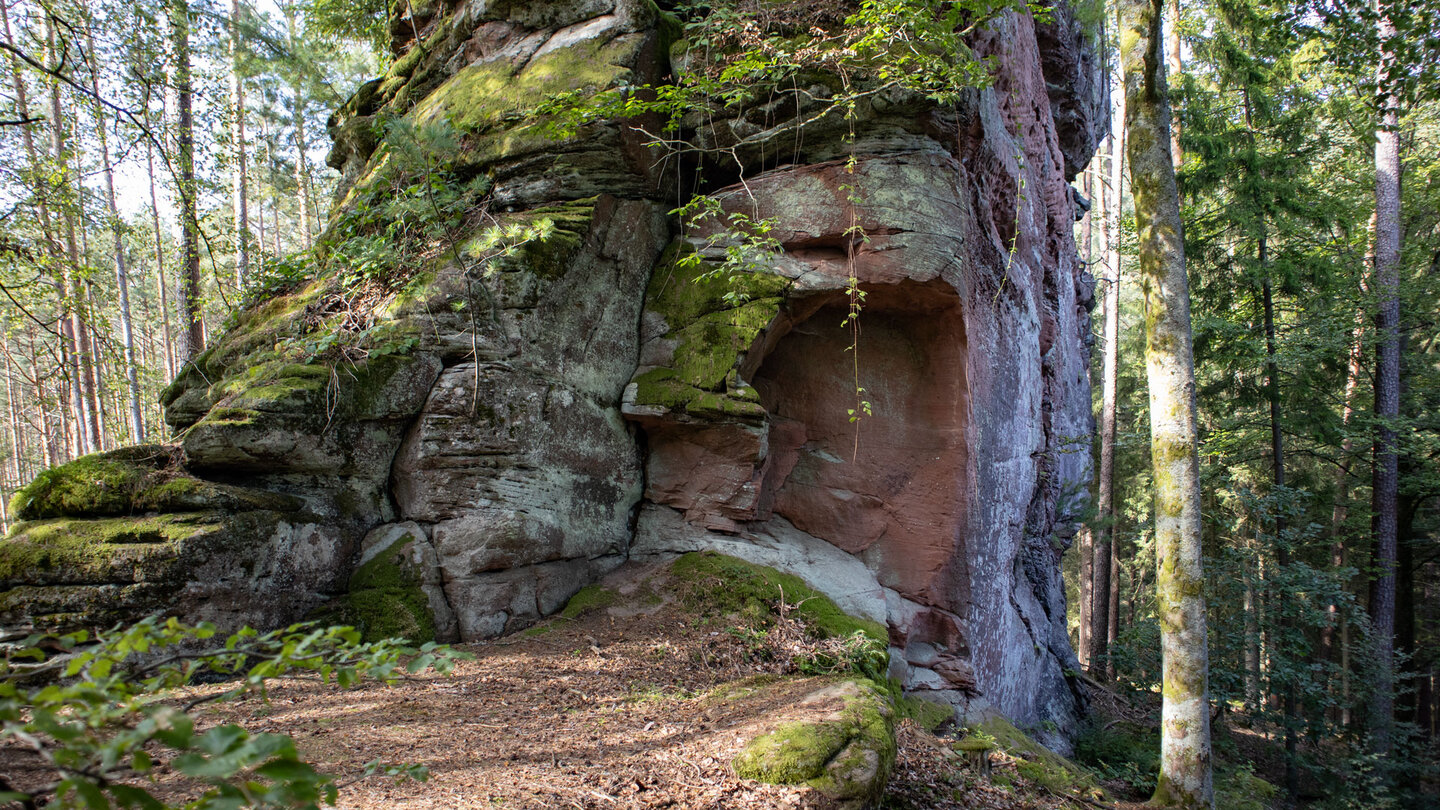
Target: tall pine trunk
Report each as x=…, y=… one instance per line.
x=192, y=325
x=82, y=380
x=239, y=182
x=161, y=288
x=1185, y=778
x=122, y=272
x=1385, y=483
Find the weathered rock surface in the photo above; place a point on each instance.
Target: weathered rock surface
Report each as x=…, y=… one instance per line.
x=501, y=436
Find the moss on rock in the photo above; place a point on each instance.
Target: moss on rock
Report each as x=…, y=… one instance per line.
x=845, y=754
x=105, y=550
x=1034, y=761
x=385, y=600
x=134, y=480
x=728, y=585
x=588, y=598
x=713, y=320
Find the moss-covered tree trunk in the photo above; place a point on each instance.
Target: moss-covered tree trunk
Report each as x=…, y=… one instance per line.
x=1185, y=772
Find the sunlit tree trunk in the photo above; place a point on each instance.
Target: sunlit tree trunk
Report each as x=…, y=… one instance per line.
x=1385, y=484
x=82, y=385
x=1185, y=778
x=1173, y=67
x=161, y=288
x=192, y=326
x=1086, y=548
x=302, y=162
x=239, y=184
x=122, y=272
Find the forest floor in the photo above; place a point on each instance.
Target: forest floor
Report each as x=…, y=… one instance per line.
x=640, y=703
x=619, y=707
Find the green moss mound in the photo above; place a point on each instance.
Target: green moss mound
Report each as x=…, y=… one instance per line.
x=713, y=321
x=384, y=600
x=845, y=755
x=131, y=481
x=590, y=597
x=728, y=585
x=1036, y=762
x=108, y=549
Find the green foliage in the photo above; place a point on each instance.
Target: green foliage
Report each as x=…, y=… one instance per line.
x=100, y=715
x=350, y=20
x=744, y=245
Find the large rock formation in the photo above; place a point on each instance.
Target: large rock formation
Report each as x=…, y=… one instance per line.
x=501, y=430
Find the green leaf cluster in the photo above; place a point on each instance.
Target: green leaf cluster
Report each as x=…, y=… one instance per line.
x=101, y=715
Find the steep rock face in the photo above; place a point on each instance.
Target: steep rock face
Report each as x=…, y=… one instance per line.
x=508, y=431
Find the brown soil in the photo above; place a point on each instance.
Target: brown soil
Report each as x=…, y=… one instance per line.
x=626, y=707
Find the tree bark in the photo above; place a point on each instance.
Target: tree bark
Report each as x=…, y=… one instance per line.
x=82, y=387
x=122, y=272
x=192, y=332
x=1185, y=778
x=239, y=185
x=1173, y=67
x=1385, y=482
x=1086, y=548
x=162, y=290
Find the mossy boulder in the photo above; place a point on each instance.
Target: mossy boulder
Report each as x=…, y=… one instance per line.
x=726, y=585
x=1034, y=761
x=842, y=745
x=395, y=590
x=711, y=319
x=134, y=480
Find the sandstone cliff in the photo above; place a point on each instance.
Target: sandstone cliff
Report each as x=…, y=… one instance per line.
x=510, y=424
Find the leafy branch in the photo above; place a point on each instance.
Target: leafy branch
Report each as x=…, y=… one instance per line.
x=100, y=714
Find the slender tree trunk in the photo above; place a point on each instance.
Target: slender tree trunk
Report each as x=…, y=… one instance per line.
x=1106, y=559
x=161, y=288
x=239, y=184
x=302, y=163
x=192, y=326
x=1282, y=543
x=1087, y=533
x=82, y=386
x=1185, y=778
x=1173, y=66
x=122, y=272
x=1385, y=485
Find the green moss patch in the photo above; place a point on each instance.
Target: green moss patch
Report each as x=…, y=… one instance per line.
x=109, y=549
x=845, y=754
x=1034, y=761
x=590, y=597
x=385, y=600
x=133, y=480
x=713, y=322
x=730, y=586
x=495, y=104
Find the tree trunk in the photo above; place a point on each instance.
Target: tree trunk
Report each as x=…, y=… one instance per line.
x=1086, y=548
x=1106, y=560
x=1282, y=544
x=122, y=272
x=192, y=325
x=1185, y=778
x=239, y=184
x=302, y=165
x=162, y=290
x=82, y=387
x=1385, y=483
x=1173, y=67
